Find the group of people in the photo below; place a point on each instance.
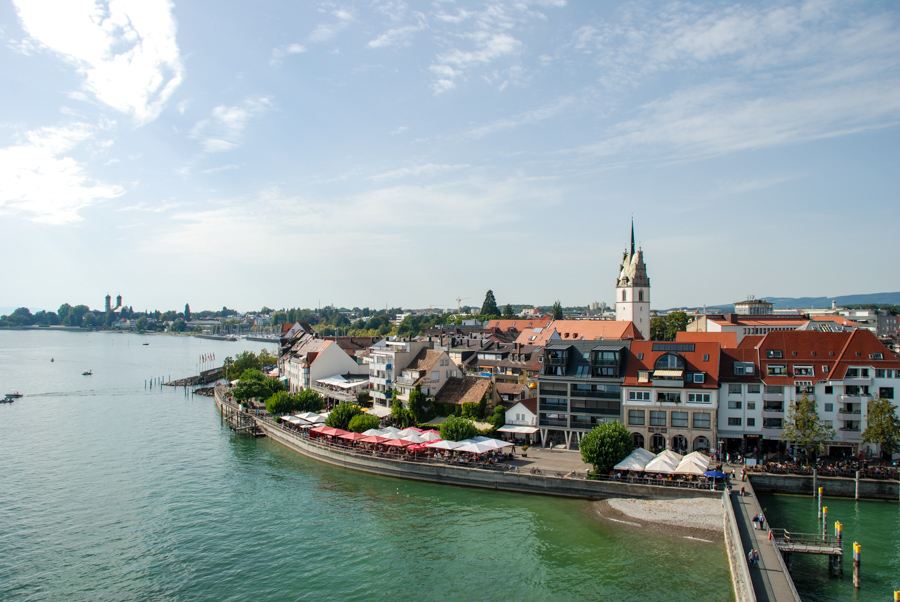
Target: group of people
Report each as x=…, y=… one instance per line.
x=753, y=557
x=759, y=522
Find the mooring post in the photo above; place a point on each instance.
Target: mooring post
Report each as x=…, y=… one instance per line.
x=824, y=522
x=815, y=481
x=839, y=534
x=820, y=501
x=897, y=595
x=856, y=551
x=857, y=485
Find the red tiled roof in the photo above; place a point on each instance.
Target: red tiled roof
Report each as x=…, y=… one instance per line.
x=693, y=361
x=727, y=340
x=519, y=323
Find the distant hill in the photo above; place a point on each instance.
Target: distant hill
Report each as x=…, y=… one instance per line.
x=818, y=302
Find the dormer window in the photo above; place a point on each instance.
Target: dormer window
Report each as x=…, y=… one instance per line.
x=876, y=356
x=773, y=353
x=669, y=361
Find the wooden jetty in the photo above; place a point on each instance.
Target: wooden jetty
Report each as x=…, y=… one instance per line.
x=239, y=420
x=789, y=543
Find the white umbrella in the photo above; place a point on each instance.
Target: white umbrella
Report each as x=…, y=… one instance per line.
x=474, y=447
x=414, y=437
x=430, y=436
x=444, y=444
x=690, y=467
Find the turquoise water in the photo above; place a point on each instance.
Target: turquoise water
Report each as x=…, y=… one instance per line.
x=874, y=525
x=116, y=492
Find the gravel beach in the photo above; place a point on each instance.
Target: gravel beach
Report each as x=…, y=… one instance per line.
x=700, y=518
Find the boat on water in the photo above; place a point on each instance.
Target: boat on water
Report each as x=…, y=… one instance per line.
x=87, y=372
x=13, y=395
x=7, y=400
x=145, y=343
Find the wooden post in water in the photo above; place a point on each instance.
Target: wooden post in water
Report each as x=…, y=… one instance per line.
x=839, y=534
x=820, y=501
x=856, y=551
x=857, y=485
x=824, y=522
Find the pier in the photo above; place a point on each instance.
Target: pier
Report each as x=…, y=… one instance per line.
x=204, y=378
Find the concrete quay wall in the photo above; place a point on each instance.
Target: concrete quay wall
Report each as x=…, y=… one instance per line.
x=834, y=486
x=737, y=559
x=473, y=477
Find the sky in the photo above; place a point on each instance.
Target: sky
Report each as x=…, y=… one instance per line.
x=406, y=154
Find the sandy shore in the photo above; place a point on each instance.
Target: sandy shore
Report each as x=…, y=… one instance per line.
x=689, y=517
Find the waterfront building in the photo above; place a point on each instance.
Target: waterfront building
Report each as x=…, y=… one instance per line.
x=386, y=361
x=316, y=359
x=580, y=386
x=840, y=371
x=753, y=324
x=521, y=420
x=428, y=371
x=670, y=395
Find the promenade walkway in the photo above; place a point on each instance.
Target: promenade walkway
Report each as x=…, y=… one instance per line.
x=771, y=581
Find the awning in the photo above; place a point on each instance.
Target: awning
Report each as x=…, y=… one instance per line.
x=523, y=430
x=379, y=411
x=668, y=373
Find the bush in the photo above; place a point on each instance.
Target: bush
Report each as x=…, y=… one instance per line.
x=363, y=422
x=606, y=445
x=308, y=400
x=342, y=414
x=457, y=429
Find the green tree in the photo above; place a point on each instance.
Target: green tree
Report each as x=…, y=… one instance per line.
x=141, y=324
x=254, y=383
x=245, y=360
x=417, y=401
x=363, y=422
x=455, y=428
x=187, y=312
x=63, y=311
x=883, y=426
x=267, y=359
x=498, y=419
x=308, y=400
x=178, y=326
x=666, y=328
x=804, y=429
x=606, y=445
x=556, y=312
x=489, y=307
x=508, y=312
x=281, y=402
x=342, y=414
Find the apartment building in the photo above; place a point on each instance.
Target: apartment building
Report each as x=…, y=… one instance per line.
x=386, y=361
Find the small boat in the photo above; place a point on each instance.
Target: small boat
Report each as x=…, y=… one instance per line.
x=87, y=372
x=13, y=395
x=145, y=343
x=7, y=400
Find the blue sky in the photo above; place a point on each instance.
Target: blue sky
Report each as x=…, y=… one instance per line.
x=406, y=154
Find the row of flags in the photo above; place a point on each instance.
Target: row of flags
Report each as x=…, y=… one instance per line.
x=208, y=357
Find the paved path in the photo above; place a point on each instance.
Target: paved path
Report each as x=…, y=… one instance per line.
x=550, y=461
x=770, y=581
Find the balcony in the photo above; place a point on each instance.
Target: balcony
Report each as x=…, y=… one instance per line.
x=552, y=407
x=850, y=411
x=852, y=428
x=848, y=416
x=773, y=413
x=854, y=398
x=564, y=423
x=857, y=380
x=773, y=396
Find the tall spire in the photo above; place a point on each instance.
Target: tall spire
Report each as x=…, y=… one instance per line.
x=632, y=235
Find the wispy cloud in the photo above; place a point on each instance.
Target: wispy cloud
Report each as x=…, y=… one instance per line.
x=40, y=179
x=125, y=49
x=428, y=169
x=279, y=53
x=224, y=129
x=399, y=36
x=341, y=19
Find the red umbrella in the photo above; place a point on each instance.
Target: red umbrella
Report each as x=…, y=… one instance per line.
x=398, y=443
x=353, y=436
x=373, y=439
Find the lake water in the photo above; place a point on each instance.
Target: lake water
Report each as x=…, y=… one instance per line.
x=110, y=490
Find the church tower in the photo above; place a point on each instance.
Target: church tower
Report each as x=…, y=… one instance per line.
x=633, y=290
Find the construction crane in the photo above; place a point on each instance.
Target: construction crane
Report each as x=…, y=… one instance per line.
x=458, y=306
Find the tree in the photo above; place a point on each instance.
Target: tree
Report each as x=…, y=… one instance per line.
x=254, y=383
x=557, y=313
x=508, y=312
x=803, y=428
x=187, y=312
x=178, y=326
x=499, y=417
x=417, y=401
x=665, y=328
x=883, y=426
x=308, y=400
x=489, y=307
x=457, y=429
x=281, y=402
x=141, y=323
x=363, y=422
x=342, y=414
x=267, y=359
x=246, y=360
x=63, y=311
x=606, y=445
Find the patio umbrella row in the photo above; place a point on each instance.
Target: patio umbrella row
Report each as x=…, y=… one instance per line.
x=477, y=445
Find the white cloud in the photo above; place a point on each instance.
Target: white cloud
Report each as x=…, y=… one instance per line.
x=282, y=51
x=428, y=169
x=41, y=181
x=224, y=129
x=125, y=49
x=394, y=37
x=325, y=31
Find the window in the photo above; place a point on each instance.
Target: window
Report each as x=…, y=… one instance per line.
x=776, y=369
x=639, y=396
x=879, y=373
x=624, y=297
x=636, y=417
x=751, y=405
x=772, y=423
x=773, y=353
x=876, y=356
x=734, y=389
x=829, y=390
x=699, y=397
x=886, y=392
x=669, y=361
x=705, y=357
x=680, y=419
x=698, y=377
x=825, y=369
x=744, y=368
x=829, y=407
x=668, y=397
x=751, y=422
x=640, y=356
x=436, y=375
x=734, y=405
x=701, y=420
x=774, y=390
x=640, y=295
x=753, y=389
x=657, y=418
x=803, y=370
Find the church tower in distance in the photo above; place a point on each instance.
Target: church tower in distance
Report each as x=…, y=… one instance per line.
x=633, y=290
